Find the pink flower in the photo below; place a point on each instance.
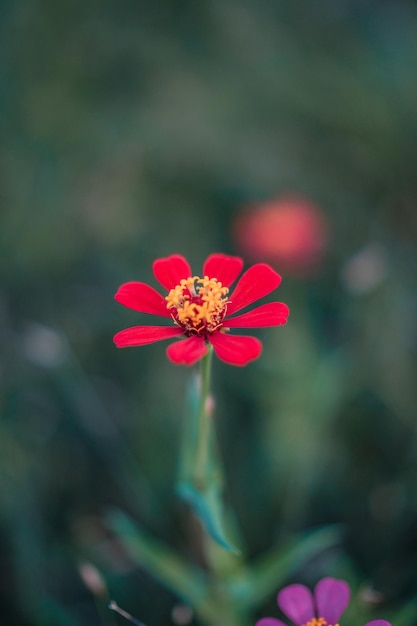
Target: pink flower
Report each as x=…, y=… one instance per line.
x=323, y=608
x=289, y=230
x=200, y=308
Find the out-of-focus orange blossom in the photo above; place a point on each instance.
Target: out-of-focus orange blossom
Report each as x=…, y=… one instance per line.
x=288, y=231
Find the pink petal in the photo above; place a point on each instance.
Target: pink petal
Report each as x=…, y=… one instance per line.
x=169, y=271
x=143, y=298
x=378, y=622
x=332, y=597
x=187, y=351
x=257, y=282
x=141, y=335
x=296, y=601
x=272, y=314
x=222, y=267
x=235, y=349
x=269, y=621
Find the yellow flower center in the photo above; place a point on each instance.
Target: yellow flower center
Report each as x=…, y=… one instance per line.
x=318, y=621
x=198, y=304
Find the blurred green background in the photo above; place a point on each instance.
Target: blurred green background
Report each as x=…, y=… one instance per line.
x=134, y=130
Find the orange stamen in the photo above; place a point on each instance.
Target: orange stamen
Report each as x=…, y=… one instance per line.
x=198, y=304
x=318, y=621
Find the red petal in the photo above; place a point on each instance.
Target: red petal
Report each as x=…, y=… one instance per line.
x=222, y=267
x=235, y=349
x=143, y=298
x=141, y=335
x=187, y=351
x=272, y=314
x=258, y=281
x=169, y=272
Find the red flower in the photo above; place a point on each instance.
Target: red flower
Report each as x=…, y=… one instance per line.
x=290, y=231
x=200, y=308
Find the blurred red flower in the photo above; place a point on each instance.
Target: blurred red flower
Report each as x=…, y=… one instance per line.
x=288, y=231
x=200, y=308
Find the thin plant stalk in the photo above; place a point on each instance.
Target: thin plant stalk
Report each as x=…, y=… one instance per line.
x=204, y=417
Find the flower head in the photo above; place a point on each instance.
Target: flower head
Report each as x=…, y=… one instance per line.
x=289, y=230
x=200, y=308
x=323, y=608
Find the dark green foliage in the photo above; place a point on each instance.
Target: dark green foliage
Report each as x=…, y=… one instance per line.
x=134, y=130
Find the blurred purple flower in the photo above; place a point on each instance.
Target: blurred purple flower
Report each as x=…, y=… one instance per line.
x=324, y=608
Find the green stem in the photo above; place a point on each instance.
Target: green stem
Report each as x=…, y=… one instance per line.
x=204, y=417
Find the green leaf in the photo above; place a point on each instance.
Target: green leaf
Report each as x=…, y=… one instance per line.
x=201, y=484
x=272, y=571
x=208, y=507
x=186, y=581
